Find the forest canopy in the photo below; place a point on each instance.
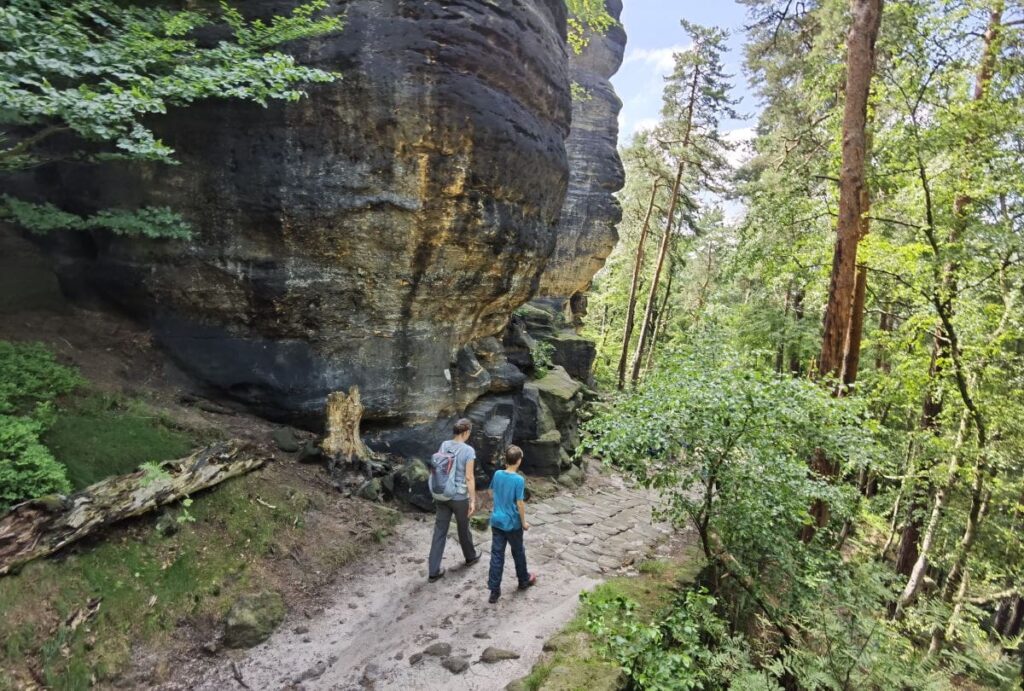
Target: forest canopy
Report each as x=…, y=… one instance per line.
x=828, y=385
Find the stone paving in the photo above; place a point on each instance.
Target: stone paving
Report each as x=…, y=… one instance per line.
x=384, y=614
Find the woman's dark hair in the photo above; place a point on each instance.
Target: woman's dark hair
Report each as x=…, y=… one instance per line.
x=461, y=426
x=513, y=455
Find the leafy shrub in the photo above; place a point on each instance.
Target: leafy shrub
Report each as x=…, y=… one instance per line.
x=29, y=374
x=30, y=379
x=542, y=354
x=586, y=17
x=727, y=445
x=27, y=469
x=688, y=647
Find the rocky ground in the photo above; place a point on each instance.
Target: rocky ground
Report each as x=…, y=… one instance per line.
x=384, y=626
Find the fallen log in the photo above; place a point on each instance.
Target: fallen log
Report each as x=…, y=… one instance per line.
x=40, y=527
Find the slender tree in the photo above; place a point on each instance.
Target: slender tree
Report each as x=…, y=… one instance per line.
x=695, y=100
x=634, y=287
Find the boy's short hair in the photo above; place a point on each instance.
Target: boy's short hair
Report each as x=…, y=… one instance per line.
x=461, y=426
x=513, y=455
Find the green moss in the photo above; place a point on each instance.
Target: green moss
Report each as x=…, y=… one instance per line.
x=148, y=583
x=100, y=436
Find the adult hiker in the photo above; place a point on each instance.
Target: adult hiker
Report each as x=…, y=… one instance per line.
x=508, y=521
x=453, y=488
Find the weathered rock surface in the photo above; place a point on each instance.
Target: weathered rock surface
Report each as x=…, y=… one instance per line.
x=252, y=618
x=366, y=234
x=586, y=229
x=490, y=655
x=381, y=232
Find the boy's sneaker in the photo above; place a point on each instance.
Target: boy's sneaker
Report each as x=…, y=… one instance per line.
x=530, y=583
x=494, y=596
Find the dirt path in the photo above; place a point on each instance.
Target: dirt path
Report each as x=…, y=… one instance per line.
x=385, y=613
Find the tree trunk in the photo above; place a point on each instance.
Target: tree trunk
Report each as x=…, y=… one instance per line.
x=853, y=194
x=634, y=286
x=851, y=359
x=940, y=634
x=982, y=469
x=931, y=408
x=917, y=572
x=660, y=317
x=666, y=239
x=40, y=527
x=910, y=537
x=853, y=200
x=795, y=365
x=780, y=352
x=652, y=294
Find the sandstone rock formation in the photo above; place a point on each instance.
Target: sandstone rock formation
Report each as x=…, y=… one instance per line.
x=587, y=227
x=380, y=233
x=366, y=234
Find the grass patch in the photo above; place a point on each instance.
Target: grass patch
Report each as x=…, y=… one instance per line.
x=98, y=436
x=148, y=584
x=571, y=660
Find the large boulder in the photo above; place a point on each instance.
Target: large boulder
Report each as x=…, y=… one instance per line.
x=252, y=618
x=409, y=484
x=560, y=392
x=545, y=455
x=575, y=353
x=365, y=234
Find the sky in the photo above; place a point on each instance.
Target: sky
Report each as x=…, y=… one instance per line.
x=654, y=33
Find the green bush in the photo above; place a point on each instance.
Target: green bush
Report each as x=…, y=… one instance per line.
x=30, y=379
x=542, y=354
x=688, y=646
x=27, y=469
x=29, y=374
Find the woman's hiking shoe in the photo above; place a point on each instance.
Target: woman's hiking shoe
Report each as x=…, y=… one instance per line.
x=530, y=583
x=437, y=576
x=474, y=559
x=494, y=596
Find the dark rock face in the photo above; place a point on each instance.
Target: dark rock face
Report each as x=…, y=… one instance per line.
x=381, y=232
x=367, y=234
x=586, y=231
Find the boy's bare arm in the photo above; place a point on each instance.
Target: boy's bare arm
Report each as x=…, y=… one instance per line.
x=522, y=514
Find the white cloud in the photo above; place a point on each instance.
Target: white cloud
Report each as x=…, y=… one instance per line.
x=662, y=59
x=741, y=138
x=643, y=125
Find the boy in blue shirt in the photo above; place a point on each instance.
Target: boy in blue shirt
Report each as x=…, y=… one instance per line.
x=508, y=521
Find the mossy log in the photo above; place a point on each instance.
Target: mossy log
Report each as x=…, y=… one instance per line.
x=42, y=526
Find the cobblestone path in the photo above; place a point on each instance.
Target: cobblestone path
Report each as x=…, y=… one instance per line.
x=384, y=613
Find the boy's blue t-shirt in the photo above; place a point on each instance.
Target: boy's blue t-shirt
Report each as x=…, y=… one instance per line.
x=507, y=488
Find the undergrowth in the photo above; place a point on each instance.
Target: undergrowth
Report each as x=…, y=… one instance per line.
x=575, y=658
x=147, y=584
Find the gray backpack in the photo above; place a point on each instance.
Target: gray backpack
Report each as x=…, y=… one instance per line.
x=443, y=480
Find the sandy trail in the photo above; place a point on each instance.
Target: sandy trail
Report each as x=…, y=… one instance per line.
x=383, y=610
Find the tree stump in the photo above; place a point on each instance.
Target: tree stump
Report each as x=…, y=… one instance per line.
x=343, y=442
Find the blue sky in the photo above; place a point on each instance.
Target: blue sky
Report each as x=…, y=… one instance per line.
x=654, y=33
